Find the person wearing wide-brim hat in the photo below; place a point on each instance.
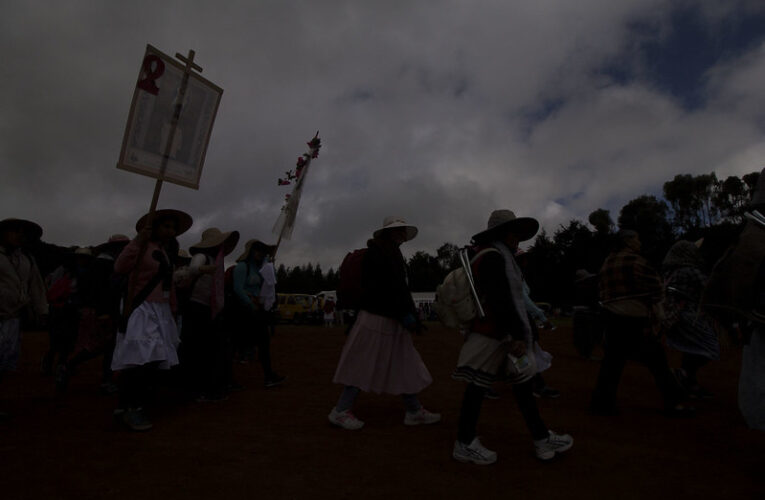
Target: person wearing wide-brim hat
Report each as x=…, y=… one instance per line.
x=203, y=342
x=379, y=355
x=505, y=329
x=149, y=339
x=253, y=298
x=21, y=287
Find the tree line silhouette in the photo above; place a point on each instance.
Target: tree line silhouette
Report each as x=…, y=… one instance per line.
x=692, y=207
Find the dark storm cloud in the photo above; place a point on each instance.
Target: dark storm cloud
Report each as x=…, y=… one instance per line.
x=438, y=112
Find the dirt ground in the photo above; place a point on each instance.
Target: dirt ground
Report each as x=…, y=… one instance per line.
x=277, y=443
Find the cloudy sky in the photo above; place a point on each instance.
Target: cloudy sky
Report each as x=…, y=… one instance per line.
x=438, y=111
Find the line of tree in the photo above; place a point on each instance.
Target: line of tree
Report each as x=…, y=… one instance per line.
x=692, y=207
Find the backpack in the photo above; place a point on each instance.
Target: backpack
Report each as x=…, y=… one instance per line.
x=349, y=289
x=455, y=302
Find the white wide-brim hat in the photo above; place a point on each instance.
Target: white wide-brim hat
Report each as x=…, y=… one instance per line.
x=393, y=221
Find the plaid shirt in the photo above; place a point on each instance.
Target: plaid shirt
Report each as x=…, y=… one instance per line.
x=625, y=274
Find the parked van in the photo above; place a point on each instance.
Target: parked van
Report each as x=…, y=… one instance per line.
x=298, y=308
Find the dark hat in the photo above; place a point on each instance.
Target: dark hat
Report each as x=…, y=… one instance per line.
x=183, y=220
x=501, y=221
x=32, y=230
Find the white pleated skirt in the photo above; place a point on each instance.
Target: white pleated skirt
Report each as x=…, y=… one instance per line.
x=151, y=335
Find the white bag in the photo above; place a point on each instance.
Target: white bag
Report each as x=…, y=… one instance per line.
x=456, y=304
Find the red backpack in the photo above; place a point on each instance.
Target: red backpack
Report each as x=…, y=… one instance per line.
x=349, y=288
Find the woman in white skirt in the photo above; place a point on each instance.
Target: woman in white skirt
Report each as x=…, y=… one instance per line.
x=379, y=355
x=149, y=339
x=500, y=346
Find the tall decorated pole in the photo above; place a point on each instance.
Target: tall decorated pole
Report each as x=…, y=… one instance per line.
x=286, y=220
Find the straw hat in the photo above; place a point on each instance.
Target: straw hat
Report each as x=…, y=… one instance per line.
x=83, y=252
x=183, y=220
x=114, y=242
x=394, y=221
x=505, y=220
x=255, y=242
x=213, y=237
x=32, y=230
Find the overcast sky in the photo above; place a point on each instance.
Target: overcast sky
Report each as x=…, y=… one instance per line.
x=438, y=111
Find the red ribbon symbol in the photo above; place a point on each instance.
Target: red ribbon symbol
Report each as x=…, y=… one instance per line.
x=151, y=74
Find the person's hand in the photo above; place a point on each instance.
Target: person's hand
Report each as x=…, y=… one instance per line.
x=144, y=235
x=547, y=325
x=517, y=348
x=208, y=269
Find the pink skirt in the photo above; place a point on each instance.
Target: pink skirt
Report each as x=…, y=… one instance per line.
x=379, y=356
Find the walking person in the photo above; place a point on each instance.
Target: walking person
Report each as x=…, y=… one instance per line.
x=205, y=346
x=631, y=291
x=688, y=329
x=101, y=294
x=378, y=355
x=148, y=338
x=500, y=346
x=248, y=314
x=22, y=290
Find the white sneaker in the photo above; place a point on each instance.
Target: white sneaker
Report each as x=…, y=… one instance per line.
x=421, y=416
x=345, y=419
x=545, y=449
x=473, y=452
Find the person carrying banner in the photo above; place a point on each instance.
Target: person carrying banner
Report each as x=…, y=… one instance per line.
x=148, y=337
x=378, y=355
x=500, y=346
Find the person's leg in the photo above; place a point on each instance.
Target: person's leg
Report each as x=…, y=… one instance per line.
x=470, y=410
x=691, y=364
x=611, y=368
x=347, y=398
x=651, y=353
x=528, y=406
x=411, y=403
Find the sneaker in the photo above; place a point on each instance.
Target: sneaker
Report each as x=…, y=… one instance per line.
x=680, y=411
x=108, y=388
x=275, y=380
x=698, y=392
x=135, y=420
x=474, y=452
x=345, y=419
x=421, y=416
x=547, y=448
x=491, y=394
x=547, y=392
x=62, y=378
x=211, y=398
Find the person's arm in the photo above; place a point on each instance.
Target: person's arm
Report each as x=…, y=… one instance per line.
x=239, y=282
x=534, y=311
x=495, y=290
